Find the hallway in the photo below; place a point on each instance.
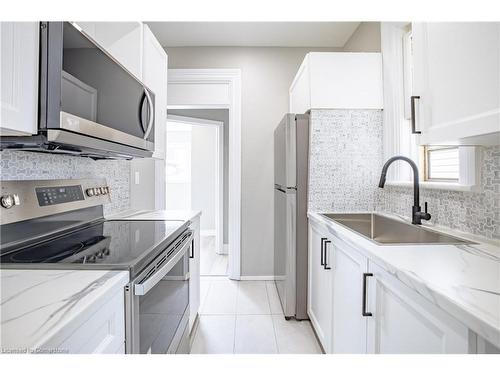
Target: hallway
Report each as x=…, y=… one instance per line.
x=211, y=263
x=246, y=317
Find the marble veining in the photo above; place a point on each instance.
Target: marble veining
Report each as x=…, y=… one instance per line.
x=38, y=305
x=463, y=280
x=24, y=165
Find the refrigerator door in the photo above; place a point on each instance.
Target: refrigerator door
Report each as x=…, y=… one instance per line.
x=285, y=153
x=284, y=248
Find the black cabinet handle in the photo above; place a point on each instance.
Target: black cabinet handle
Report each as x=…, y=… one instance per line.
x=323, y=239
x=326, y=267
x=363, y=302
x=413, y=126
x=192, y=249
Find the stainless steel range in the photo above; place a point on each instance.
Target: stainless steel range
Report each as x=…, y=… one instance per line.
x=56, y=224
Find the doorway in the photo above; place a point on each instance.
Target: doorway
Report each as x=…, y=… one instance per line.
x=195, y=181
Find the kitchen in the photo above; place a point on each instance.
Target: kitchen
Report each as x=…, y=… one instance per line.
x=356, y=197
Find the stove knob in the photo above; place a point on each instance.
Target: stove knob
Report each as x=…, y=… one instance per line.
x=7, y=201
x=103, y=190
x=90, y=192
x=92, y=259
x=100, y=254
x=97, y=191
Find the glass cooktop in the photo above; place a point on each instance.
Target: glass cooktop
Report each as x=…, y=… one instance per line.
x=114, y=244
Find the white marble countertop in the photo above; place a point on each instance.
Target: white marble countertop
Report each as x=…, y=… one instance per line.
x=156, y=215
x=464, y=280
x=40, y=305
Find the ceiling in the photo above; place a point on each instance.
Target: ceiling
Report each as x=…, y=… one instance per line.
x=253, y=34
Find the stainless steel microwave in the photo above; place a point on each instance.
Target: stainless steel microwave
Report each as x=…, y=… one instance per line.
x=89, y=104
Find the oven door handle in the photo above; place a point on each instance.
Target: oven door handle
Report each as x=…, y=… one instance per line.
x=145, y=286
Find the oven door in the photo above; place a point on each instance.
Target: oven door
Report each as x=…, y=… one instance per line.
x=85, y=91
x=157, y=303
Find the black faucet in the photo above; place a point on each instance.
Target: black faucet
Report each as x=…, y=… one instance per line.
x=417, y=215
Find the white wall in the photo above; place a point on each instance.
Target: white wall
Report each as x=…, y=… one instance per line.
x=203, y=174
x=266, y=77
x=366, y=38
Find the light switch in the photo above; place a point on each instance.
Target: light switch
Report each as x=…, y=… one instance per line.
x=137, y=178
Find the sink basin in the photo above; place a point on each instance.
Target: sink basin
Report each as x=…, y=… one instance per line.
x=387, y=231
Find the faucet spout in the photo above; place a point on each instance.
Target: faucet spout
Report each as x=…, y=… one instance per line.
x=417, y=215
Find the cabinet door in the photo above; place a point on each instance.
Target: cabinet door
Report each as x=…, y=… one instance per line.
x=194, y=271
x=349, y=325
x=123, y=40
x=457, y=76
x=19, y=83
x=155, y=65
x=319, y=304
x=405, y=322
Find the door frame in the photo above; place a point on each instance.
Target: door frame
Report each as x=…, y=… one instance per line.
x=219, y=191
x=217, y=89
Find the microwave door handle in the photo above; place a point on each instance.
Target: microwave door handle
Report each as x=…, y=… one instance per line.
x=139, y=113
x=144, y=287
x=151, y=114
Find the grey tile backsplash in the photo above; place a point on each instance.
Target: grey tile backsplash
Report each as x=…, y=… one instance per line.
x=23, y=165
x=472, y=212
x=346, y=160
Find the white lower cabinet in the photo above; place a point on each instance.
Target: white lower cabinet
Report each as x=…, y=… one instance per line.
x=194, y=272
x=404, y=322
x=358, y=307
x=320, y=293
x=102, y=333
x=349, y=325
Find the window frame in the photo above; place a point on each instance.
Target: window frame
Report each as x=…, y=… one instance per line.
x=427, y=163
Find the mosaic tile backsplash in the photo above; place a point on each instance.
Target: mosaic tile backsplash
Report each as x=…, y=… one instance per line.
x=345, y=159
x=472, y=212
x=23, y=165
x=345, y=164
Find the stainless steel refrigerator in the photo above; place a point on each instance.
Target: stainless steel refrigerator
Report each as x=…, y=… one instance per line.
x=291, y=159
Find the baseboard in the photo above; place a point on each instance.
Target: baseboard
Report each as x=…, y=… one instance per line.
x=257, y=278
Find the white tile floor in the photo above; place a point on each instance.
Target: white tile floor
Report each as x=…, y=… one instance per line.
x=211, y=263
x=246, y=317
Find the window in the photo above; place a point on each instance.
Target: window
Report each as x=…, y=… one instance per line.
x=441, y=163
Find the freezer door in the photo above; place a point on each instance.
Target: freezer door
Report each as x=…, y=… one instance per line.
x=285, y=152
x=284, y=248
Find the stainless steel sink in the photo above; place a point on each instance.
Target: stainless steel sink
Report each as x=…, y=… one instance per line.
x=387, y=231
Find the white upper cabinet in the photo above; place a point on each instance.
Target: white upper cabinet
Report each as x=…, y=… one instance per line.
x=123, y=40
x=154, y=76
x=456, y=73
x=19, y=82
x=327, y=80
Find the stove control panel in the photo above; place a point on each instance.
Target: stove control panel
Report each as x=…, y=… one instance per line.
x=29, y=199
x=59, y=194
